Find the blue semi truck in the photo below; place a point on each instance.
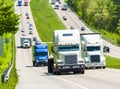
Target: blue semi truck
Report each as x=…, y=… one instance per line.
x=40, y=54
x=19, y=2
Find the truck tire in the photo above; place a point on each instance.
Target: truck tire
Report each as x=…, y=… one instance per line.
x=50, y=65
x=82, y=72
x=33, y=63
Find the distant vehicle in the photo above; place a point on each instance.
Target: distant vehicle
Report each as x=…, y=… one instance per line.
x=23, y=34
x=30, y=32
x=26, y=41
x=22, y=30
x=25, y=2
x=38, y=42
x=40, y=54
x=34, y=38
x=27, y=17
x=72, y=27
x=64, y=6
x=30, y=26
x=92, y=50
x=64, y=18
x=56, y=5
x=26, y=14
x=19, y=2
x=67, y=53
x=82, y=28
x=54, y=1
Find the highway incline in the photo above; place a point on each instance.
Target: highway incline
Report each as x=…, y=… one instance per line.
x=74, y=20
x=38, y=77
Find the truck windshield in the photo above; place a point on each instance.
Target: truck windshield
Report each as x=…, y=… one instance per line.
x=25, y=41
x=41, y=54
x=69, y=48
x=93, y=48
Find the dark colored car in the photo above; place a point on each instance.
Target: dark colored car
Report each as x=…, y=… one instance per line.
x=34, y=38
x=64, y=18
x=82, y=28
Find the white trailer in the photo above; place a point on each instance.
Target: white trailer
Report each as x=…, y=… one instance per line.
x=26, y=41
x=67, y=52
x=92, y=50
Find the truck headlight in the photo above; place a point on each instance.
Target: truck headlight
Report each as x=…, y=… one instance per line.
x=82, y=61
x=59, y=62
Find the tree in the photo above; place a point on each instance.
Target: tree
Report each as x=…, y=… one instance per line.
x=8, y=19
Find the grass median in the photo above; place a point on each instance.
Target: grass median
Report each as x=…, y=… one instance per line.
x=46, y=20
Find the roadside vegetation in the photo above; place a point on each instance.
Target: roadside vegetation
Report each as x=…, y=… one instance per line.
x=8, y=26
x=46, y=20
x=101, y=15
x=112, y=62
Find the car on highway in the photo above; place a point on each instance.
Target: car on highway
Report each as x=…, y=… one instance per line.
x=30, y=32
x=38, y=42
x=82, y=28
x=23, y=34
x=34, y=38
x=22, y=30
x=30, y=26
x=64, y=18
x=72, y=27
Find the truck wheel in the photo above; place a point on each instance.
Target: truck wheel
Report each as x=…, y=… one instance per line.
x=83, y=71
x=33, y=63
x=104, y=67
x=50, y=65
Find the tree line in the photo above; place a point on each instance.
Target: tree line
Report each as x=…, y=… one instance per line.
x=102, y=15
x=8, y=18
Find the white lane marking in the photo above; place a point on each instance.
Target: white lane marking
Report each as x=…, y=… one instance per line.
x=70, y=82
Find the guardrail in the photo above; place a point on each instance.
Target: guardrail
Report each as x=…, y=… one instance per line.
x=6, y=74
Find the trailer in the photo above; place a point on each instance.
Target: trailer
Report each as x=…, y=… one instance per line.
x=67, y=53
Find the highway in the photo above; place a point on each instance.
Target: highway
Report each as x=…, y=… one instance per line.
x=74, y=20
x=38, y=78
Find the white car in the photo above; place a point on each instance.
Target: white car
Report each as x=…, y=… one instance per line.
x=30, y=32
x=30, y=27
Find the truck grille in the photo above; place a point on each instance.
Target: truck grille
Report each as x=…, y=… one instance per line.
x=95, y=58
x=70, y=59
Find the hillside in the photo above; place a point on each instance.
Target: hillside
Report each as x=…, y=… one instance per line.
x=101, y=15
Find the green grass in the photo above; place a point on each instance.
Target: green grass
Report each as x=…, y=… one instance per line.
x=6, y=60
x=112, y=62
x=11, y=82
x=46, y=19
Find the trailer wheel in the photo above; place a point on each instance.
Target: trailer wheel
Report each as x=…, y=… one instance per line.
x=50, y=65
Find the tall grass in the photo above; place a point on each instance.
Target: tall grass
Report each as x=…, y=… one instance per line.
x=112, y=62
x=45, y=18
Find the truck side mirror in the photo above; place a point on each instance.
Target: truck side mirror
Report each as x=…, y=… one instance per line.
x=106, y=49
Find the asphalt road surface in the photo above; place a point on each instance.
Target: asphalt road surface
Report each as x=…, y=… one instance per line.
x=74, y=20
x=38, y=77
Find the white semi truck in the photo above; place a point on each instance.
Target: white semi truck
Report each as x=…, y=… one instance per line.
x=67, y=52
x=26, y=42
x=92, y=50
